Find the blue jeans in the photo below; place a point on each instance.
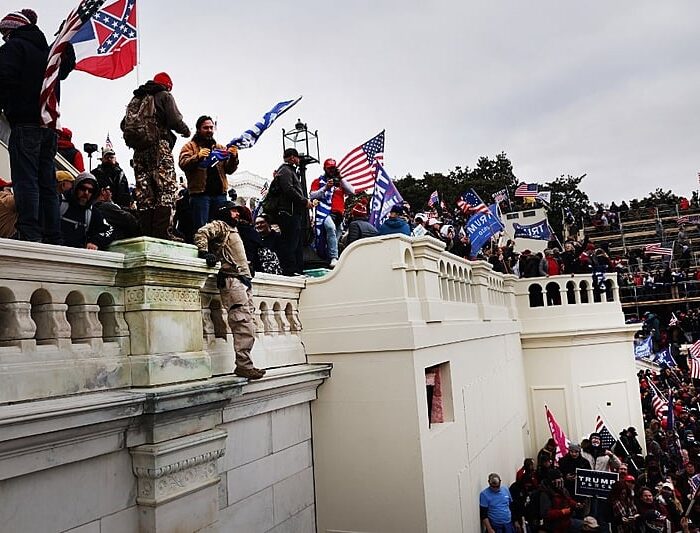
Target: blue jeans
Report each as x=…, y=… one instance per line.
x=204, y=207
x=332, y=237
x=32, y=151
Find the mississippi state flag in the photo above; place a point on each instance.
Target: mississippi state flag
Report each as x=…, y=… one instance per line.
x=105, y=46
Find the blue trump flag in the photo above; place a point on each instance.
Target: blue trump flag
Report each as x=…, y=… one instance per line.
x=385, y=196
x=664, y=357
x=643, y=348
x=249, y=137
x=481, y=227
x=539, y=231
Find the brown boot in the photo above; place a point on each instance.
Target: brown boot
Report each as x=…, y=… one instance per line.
x=250, y=373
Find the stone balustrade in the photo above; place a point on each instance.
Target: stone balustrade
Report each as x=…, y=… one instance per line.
x=570, y=301
x=145, y=313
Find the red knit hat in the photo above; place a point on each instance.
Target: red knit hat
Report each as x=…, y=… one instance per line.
x=359, y=211
x=162, y=78
x=17, y=19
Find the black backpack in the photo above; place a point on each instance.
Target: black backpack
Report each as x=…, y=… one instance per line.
x=271, y=202
x=139, y=125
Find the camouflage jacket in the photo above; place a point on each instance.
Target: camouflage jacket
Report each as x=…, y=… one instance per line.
x=223, y=241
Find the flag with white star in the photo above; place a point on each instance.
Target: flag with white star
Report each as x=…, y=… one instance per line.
x=105, y=46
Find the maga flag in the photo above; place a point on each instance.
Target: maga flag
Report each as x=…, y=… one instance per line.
x=385, y=196
x=481, y=227
x=539, y=231
x=105, y=46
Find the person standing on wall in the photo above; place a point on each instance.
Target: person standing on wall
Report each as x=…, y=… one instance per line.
x=207, y=186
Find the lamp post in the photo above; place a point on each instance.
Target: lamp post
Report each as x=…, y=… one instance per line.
x=306, y=143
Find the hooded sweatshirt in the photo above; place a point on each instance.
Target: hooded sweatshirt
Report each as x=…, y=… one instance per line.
x=81, y=225
x=394, y=225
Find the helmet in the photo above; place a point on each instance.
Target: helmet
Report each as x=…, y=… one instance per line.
x=329, y=163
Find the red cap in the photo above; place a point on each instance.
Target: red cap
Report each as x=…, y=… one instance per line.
x=4, y=183
x=629, y=478
x=329, y=163
x=163, y=79
x=65, y=133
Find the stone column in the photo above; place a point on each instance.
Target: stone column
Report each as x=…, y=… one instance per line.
x=162, y=281
x=178, y=482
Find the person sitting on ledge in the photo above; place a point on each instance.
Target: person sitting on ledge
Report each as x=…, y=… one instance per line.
x=220, y=240
x=359, y=228
x=81, y=225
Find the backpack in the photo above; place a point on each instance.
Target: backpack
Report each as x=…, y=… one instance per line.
x=139, y=125
x=271, y=202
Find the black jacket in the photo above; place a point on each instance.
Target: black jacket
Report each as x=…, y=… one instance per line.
x=112, y=176
x=23, y=62
x=292, y=198
x=360, y=229
x=81, y=225
x=124, y=224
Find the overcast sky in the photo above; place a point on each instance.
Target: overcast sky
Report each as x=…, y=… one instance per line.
x=604, y=88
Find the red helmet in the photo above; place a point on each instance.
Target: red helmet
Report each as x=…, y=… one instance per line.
x=329, y=163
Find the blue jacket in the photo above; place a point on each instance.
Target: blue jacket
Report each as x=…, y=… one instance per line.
x=394, y=225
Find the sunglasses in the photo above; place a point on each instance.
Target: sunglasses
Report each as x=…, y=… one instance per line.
x=85, y=189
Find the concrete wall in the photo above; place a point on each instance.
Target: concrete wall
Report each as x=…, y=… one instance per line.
x=378, y=464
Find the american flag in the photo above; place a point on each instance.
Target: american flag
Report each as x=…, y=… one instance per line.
x=688, y=219
x=258, y=205
x=673, y=321
x=557, y=434
x=695, y=350
x=698, y=177
x=527, y=190
x=500, y=196
x=695, y=368
x=358, y=166
x=657, y=249
x=47, y=99
x=606, y=436
x=470, y=203
x=434, y=199
x=658, y=404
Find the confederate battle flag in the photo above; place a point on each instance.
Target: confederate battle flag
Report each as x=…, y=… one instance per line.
x=105, y=46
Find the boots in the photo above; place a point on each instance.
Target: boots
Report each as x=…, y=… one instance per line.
x=250, y=373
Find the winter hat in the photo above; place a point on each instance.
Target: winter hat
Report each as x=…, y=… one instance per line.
x=162, y=78
x=5, y=183
x=65, y=133
x=64, y=175
x=396, y=208
x=590, y=524
x=17, y=19
x=244, y=213
x=574, y=448
x=359, y=211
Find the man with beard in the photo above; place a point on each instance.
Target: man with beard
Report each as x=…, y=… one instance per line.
x=81, y=225
x=206, y=183
x=220, y=241
x=110, y=175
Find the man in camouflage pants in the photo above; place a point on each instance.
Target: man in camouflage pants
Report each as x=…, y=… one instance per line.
x=219, y=241
x=154, y=168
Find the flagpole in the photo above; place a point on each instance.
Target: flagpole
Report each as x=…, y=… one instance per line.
x=605, y=421
x=138, y=47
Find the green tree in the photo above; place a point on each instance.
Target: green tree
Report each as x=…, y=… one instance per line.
x=658, y=198
x=488, y=177
x=566, y=194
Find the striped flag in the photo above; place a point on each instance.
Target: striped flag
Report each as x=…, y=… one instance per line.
x=500, y=196
x=606, y=436
x=557, y=434
x=108, y=143
x=249, y=137
x=694, y=353
x=434, y=199
x=698, y=177
x=258, y=205
x=527, y=190
x=695, y=350
x=688, y=219
x=470, y=203
x=358, y=166
x=658, y=404
x=673, y=321
x=657, y=249
x=47, y=99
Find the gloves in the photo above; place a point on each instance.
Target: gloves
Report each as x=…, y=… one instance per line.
x=232, y=150
x=203, y=153
x=208, y=257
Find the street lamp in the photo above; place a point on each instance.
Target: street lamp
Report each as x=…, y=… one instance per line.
x=306, y=143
